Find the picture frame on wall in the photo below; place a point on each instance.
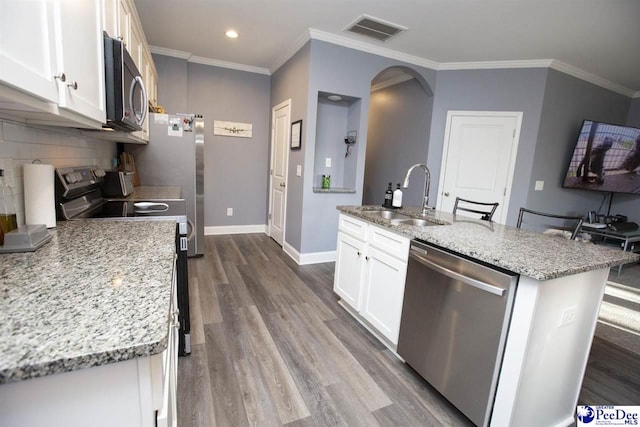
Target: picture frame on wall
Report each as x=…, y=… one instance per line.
x=296, y=135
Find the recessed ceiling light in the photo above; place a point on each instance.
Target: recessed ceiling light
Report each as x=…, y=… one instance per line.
x=334, y=98
x=232, y=34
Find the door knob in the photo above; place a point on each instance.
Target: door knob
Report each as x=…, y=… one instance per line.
x=446, y=194
x=282, y=184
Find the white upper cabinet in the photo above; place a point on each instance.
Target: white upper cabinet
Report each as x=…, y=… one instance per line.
x=111, y=17
x=27, y=47
x=51, y=60
x=124, y=19
x=79, y=55
x=52, y=63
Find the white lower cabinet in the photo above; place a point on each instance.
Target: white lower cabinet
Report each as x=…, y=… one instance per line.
x=349, y=268
x=133, y=393
x=383, y=292
x=370, y=272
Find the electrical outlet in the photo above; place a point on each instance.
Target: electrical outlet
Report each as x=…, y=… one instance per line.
x=327, y=162
x=568, y=316
x=539, y=186
x=229, y=211
x=299, y=170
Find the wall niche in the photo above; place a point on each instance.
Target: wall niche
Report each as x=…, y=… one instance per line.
x=337, y=121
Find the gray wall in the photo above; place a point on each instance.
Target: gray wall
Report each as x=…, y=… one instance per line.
x=291, y=81
x=633, y=118
x=491, y=90
x=344, y=71
x=629, y=204
x=399, y=123
x=236, y=169
x=330, y=132
x=172, y=83
x=567, y=102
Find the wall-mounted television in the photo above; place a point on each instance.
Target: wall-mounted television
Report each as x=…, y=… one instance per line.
x=606, y=158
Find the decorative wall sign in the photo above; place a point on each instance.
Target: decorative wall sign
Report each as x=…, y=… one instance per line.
x=242, y=130
x=296, y=135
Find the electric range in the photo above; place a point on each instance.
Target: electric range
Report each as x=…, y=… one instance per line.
x=79, y=197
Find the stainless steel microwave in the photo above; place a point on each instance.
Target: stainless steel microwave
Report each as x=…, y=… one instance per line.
x=125, y=94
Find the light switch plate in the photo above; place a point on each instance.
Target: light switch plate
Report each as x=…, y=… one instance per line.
x=229, y=211
x=327, y=162
x=299, y=170
x=539, y=186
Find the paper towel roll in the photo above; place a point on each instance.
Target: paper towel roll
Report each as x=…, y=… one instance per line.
x=39, y=195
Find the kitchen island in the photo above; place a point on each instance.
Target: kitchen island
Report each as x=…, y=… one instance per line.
x=551, y=321
x=86, y=325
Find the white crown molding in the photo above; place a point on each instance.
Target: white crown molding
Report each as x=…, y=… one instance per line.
x=295, y=47
x=230, y=65
x=411, y=59
x=493, y=65
x=207, y=61
x=391, y=82
x=591, y=78
x=180, y=54
x=369, y=48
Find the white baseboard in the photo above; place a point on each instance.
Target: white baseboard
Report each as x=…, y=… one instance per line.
x=310, y=258
x=234, y=229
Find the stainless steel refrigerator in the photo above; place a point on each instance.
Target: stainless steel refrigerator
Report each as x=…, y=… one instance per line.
x=174, y=156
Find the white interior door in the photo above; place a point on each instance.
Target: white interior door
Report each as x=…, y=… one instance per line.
x=280, y=125
x=479, y=158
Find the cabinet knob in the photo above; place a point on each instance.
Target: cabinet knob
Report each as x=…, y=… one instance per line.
x=61, y=76
x=358, y=253
x=73, y=84
x=446, y=194
x=366, y=258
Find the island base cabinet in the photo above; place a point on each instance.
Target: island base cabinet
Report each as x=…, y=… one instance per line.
x=349, y=267
x=371, y=266
x=383, y=293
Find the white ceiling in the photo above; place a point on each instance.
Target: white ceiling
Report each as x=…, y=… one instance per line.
x=596, y=39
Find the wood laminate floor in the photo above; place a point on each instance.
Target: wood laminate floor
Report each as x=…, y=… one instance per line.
x=271, y=347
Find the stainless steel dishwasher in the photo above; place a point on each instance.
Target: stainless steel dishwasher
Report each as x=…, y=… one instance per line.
x=454, y=325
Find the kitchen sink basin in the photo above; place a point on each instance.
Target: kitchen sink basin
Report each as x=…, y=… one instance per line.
x=388, y=215
x=414, y=221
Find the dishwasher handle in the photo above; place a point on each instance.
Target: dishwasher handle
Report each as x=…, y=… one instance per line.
x=415, y=253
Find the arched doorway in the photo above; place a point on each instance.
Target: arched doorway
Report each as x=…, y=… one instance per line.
x=400, y=109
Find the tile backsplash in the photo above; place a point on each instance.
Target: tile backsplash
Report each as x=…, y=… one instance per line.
x=60, y=147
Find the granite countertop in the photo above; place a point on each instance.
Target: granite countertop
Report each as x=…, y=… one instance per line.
x=151, y=192
x=98, y=292
x=529, y=253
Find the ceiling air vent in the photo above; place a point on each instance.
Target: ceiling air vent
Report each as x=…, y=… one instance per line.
x=375, y=28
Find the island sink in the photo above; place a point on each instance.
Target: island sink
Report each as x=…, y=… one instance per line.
x=415, y=222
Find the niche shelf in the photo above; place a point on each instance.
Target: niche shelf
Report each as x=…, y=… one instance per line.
x=338, y=117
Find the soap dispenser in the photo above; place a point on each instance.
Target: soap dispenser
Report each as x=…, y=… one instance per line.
x=397, y=198
x=388, y=196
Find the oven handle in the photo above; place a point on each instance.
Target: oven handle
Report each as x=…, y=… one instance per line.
x=414, y=253
x=192, y=229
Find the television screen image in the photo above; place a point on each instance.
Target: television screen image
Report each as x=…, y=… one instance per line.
x=606, y=158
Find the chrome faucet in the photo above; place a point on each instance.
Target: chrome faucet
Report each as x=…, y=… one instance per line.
x=427, y=181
